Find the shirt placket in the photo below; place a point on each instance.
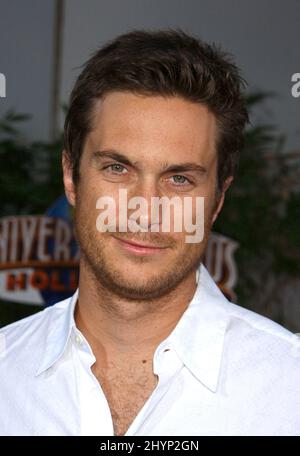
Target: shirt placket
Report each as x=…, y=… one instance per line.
x=96, y=419
x=166, y=365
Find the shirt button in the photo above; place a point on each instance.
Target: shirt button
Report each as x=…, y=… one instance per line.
x=79, y=340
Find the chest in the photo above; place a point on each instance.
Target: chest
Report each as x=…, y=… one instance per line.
x=126, y=391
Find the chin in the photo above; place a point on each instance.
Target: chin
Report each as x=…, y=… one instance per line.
x=137, y=275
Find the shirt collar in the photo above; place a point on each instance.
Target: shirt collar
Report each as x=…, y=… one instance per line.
x=198, y=337
x=60, y=327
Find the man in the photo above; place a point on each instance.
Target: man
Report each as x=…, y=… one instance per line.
x=148, y=345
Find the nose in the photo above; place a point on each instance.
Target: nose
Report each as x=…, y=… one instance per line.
x=141, y=217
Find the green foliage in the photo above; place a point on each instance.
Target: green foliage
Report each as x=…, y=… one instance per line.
x=262, y=210
x=30, y=172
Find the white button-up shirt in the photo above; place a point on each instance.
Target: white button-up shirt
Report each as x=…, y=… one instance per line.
x=223, y=370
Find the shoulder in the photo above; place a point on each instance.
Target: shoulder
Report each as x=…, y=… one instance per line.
x=262, y=345
x=23, y=342
x=31, y=324
x=253, y=323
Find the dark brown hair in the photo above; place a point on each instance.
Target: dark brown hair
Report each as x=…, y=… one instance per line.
x=166, y=63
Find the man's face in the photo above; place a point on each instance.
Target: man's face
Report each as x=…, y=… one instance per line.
x=150, y=146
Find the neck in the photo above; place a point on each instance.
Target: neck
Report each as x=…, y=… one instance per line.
x=118, y=328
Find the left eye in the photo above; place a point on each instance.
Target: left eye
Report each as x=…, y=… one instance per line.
x=178, y=179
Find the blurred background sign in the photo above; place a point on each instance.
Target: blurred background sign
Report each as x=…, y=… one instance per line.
x=39, y=257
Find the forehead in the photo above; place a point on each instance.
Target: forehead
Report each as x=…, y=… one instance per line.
x=153, y=126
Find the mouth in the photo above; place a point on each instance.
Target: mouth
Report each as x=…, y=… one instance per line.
x=140, y=247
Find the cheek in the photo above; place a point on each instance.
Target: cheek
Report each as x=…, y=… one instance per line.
x=86, y=210
x=90, y=190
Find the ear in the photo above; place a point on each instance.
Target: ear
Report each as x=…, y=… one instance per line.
x=220, y=203
x=68, y=179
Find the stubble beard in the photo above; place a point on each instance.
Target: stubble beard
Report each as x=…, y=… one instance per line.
x=106, y=275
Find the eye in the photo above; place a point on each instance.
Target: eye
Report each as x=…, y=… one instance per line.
x=180, y=180
x=116, y=168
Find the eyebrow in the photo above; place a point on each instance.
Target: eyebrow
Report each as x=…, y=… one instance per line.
x=113, y=155
x=180, y=167
x=189, y=166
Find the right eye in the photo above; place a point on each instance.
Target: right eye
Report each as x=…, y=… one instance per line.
x=116, y=168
